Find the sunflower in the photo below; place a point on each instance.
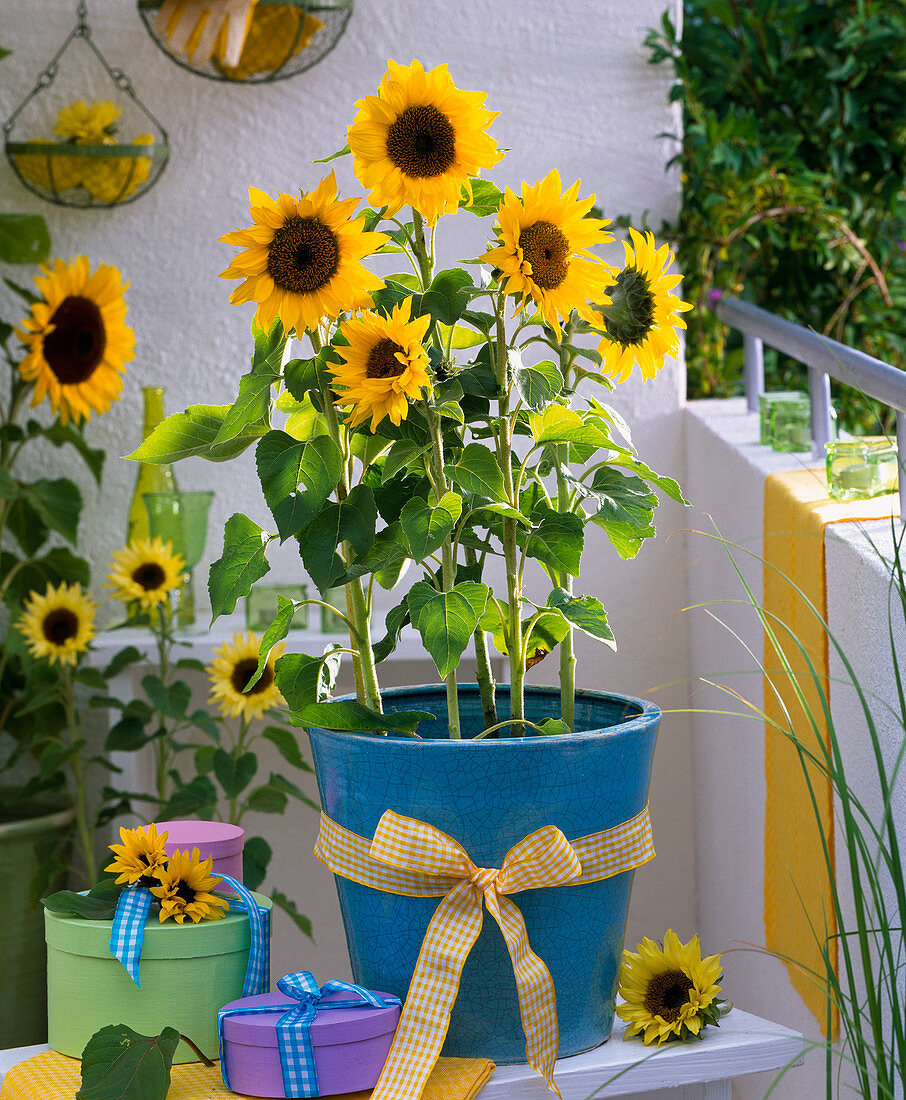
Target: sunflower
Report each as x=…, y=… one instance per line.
x=185, y=889
x=543, y=242
x=77, y=339
x=46, y=168
x=419, y=139
x=386, y=365
x=140, y=858
x=232, y=668
x=641, y=316
x=84, y=124
x=301, y=258
x=145, y=570
x=114, y=178
x=670, y=992
x=58, y=625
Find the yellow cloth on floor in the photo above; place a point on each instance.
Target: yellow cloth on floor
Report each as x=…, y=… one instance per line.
x=52, y=1076
x=797, y=897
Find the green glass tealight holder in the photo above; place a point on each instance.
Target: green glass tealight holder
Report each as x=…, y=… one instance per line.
x=261, y=605
x=181, y=518
x=858, y=469
x=767, y=402
x=791, y=425
x=331, y=622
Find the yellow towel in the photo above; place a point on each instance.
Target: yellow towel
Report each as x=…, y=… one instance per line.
x=797, y=899
x=53, y=1076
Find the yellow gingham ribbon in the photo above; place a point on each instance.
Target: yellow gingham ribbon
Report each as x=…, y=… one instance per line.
x=413, y=858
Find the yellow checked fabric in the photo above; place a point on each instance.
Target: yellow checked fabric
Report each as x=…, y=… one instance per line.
x=52, y=1076
x=413, y=858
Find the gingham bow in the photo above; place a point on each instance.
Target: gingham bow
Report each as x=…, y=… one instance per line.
x=297, y=1061
x=413, y=858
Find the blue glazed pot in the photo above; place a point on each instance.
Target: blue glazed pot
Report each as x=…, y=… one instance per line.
x=488, y=795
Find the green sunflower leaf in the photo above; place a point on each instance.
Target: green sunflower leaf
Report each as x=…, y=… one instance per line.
x=93, y=457
x=242, y=563
x=252, y=406
x=426, y=526
x=557, y=542
x=57, y=503
x=286, y=744
x=276, y=632
x=256, y=855
x=120, y=1064
x=486, y=198
x=561, y=425
x=477, y=471
x=352, y=520
x=585, y=612
x=289, y=907
x=447, y=620
x=623, y=498
x=350, y=715
x=234, y=773
x=24, y=239
x=98, y=904
x=394, y=621
x=344, y=152
x=538, y=384
x=297, y=478
x=448, y=295
x=303, y=679
x=192, y=433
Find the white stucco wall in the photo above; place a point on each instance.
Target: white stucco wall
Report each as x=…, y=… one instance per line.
x=575, y=92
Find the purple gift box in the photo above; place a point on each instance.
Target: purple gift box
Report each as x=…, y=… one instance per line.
x=212, y=838
x=349, y=1046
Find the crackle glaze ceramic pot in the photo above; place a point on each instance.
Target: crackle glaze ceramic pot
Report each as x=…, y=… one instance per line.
x=488, y=795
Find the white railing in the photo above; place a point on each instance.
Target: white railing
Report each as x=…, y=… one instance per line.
x=825, y=359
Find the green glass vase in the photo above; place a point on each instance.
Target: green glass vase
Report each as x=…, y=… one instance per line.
x=181, y=518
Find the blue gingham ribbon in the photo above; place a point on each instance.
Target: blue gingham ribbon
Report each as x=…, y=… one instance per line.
x=132, y=909
x=297, y=1061
x=134, y=906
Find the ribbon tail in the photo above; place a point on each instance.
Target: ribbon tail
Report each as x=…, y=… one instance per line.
x=258, y=971
x=537, y=997
x=128, y=931
x=432, y=993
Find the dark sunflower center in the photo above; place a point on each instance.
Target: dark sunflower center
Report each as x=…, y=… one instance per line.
x=630, y=317
x=422, y=142
x=76, y=346
x=382, y=362
x=667, y=994
x=244, y=670
x=149, y=575
x=60, y=625
x=185, y=893
x=303, y=256
x=547, y=250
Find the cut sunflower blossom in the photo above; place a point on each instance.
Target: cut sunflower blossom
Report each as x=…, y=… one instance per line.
x=669, y=991
x=58, y=625
x=230, y=671
x=185, y=888
x=140, y=857
x=641, y=316
x=417, y=142
x=77, y=339
x=145, y=571
x=302, y=258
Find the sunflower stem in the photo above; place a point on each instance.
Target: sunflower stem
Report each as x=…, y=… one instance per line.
x=564, y=504
x=83, y=824
x=483, y=674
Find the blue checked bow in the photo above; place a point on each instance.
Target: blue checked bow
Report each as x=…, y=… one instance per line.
x=297, y=1061
x=134, y=906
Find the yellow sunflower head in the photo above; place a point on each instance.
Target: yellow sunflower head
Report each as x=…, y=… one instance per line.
x=542, y=250
x=141, y=856
x=185, y=889
x=77, y=339
x=302, y=258
x=417, y=142
x=669, y=992
x=231, y=669
x=58, y=625
x=146, y=570
x=87, y=125
x=386, y=365
x=641, y=317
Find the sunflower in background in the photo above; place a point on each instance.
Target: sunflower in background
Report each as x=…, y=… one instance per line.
x=670, y=992
x=77, y=339
x=386, y=365
x=641, y=316
x=145, y=571
x=185, y=889
x=543, y=248
x=417, y=142
x=230, y=671
x=58, y=625
x=302, y=258
x=88, y=125
x=140, y=857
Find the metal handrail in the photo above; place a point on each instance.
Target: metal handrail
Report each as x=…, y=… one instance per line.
x=825, y=359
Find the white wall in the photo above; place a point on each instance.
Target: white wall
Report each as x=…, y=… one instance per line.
x=574, y=89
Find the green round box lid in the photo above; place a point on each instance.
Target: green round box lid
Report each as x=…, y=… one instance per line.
x=169, y=940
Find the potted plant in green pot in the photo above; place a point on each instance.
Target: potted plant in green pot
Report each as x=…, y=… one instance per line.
x=448, y=418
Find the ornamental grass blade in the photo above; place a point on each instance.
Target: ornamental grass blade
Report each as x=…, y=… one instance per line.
x=120, y=1064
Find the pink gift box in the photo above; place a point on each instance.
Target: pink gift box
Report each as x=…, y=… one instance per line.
x=211, y=838
x=350, y=1045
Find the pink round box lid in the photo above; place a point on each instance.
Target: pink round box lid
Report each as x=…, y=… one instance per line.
x=345, y=1025
x=214, y=838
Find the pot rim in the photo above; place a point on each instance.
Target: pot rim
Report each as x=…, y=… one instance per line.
x=55, y=811
x=648, y=712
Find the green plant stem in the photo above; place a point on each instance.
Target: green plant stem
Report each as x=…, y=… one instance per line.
x=165, y=743
x=567, y=644
x=368, y=690
x=484, y=674
x=83, y=824
x=235, y=813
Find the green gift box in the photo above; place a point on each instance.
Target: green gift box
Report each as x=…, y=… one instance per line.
x=188, y=972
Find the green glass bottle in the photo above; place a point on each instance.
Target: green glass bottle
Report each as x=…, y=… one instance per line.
x=151, y=477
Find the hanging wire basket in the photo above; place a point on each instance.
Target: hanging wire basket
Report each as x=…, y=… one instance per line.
x=97, y=171
x=277, y=38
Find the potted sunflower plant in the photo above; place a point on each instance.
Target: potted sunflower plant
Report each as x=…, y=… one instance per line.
x=76, y=344
x=454, y=418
